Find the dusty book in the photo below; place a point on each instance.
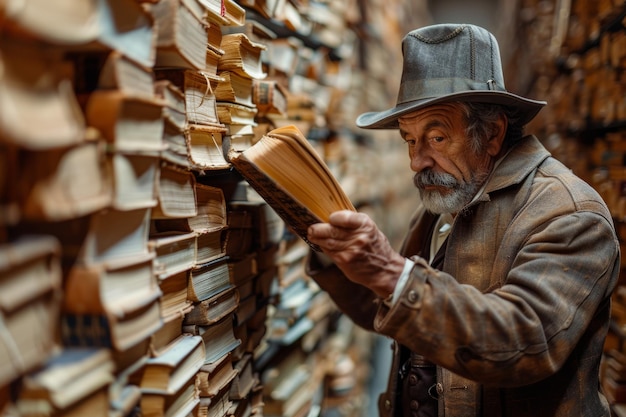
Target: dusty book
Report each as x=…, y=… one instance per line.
x=73, y=381
x=182, y=36
x=30, y=301
x=114, y=304
x=213, y=378
x=292, y=178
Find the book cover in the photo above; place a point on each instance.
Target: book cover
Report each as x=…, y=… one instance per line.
x=212, y=310
x=169, y=372
x=213, y=378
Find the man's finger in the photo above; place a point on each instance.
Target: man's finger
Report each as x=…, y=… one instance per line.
x=347, y=219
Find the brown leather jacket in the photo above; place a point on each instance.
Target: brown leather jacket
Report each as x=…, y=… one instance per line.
x=516, y=318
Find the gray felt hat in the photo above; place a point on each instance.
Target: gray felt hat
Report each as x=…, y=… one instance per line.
x=449, y=62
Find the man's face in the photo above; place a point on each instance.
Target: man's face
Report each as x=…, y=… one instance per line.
x=448, y=170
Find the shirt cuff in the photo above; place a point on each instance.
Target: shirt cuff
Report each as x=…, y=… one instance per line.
x=404, y=277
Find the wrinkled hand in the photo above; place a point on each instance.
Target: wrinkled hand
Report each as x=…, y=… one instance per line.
x=356, y=245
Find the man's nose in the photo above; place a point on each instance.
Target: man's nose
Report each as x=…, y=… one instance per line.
x=421, y=157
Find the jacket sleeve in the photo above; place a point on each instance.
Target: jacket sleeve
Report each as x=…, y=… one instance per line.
x=524, y=330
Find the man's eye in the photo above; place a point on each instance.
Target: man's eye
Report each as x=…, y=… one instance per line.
x=437, y=139
x=409, y=142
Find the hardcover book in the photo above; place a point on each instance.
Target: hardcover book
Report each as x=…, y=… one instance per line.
x=173, y=97
x=174, y=300
x=128, y=123
x=242, y=55
x=112, y=305
x=182, y=37
x=219, y=338
x=119, y=72
x=212, y=310
x=61, y=184
x=174, y=253
x=176, y=193
x=39, y=107
x=30, y=300
x=213, y=378
x=208, y=280
x=69, y=378
x=292, y=177
x=134, y=176
x=211, y=213
x=167, y=373
x=209, y=246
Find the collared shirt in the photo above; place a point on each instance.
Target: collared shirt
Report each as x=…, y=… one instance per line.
x=440, y=234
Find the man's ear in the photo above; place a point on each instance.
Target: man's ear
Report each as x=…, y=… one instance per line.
x=494, y=144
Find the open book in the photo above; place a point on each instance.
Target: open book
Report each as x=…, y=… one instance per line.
x=292, y=178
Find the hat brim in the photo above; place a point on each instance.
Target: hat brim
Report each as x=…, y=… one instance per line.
x=388, y=119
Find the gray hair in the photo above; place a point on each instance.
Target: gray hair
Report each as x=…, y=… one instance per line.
x=481, y=119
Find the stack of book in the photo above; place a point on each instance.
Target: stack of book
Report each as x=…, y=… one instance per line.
x=189, y=48
x=239, y=68
x=30, y=284
x=188, y=222
x=150, y=287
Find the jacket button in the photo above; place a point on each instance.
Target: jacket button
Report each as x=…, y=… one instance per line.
x=414, y=405
x=412, y=379
x=439, y=388
x=387, y=405
x=412, y=296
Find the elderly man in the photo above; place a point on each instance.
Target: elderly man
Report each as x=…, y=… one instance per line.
x=499, y=300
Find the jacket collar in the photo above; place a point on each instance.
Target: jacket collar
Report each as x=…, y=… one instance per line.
x=516, y=165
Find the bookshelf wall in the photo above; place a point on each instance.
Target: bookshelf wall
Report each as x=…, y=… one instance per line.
x=139, y=274
x=573, y=57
